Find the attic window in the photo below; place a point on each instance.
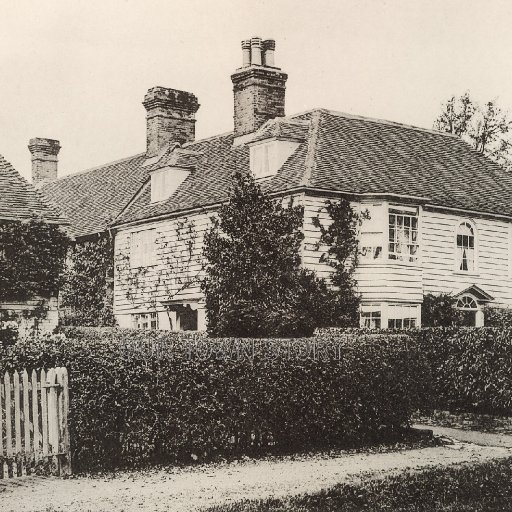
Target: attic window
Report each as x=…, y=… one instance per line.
x=164, y=182
x=269, y=156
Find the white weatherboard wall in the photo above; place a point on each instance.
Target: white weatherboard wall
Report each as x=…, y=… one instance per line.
x=379, y=280
x=493, y=269
x=388, y=283
x=174, y=275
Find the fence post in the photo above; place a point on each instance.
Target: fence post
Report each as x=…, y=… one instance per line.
x=63, y=409
x=26, y=417
x=44, y=412
x=35, y=417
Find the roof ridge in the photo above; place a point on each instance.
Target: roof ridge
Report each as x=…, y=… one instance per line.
x=390, y=123
x=339, y=113
x=96, y=168
x=218, y=135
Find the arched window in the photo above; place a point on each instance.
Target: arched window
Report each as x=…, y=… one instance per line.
x=467, y=302
x=465, y=247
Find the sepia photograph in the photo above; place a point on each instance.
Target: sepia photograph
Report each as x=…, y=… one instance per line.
x=255, y=255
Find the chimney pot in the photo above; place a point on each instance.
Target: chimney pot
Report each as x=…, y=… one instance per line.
x=246, y=53
x=269, y=47
x=256, y=51
x=170, y=118
x=44, y=160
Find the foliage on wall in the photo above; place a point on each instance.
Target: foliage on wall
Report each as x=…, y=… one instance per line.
x=32, y=259
x=341, y=239
x=177, y=256
x=254, y=283
x=87, y=292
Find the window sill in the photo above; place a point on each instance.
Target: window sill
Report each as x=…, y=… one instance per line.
x=468, y=274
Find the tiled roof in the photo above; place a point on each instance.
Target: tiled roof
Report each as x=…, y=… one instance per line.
x=19, y=200
x=209, y=182
x=282, y=128
x=340, y=152
x=359, y=155
x=353, y=155
x=92, y=199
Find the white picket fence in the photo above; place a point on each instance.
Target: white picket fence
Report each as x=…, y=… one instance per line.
x=34, y=436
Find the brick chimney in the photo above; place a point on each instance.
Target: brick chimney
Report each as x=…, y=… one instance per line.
x=170, y=118
x=44, y=160
x=258, y=86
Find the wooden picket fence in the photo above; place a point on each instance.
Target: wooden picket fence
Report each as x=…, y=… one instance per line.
x=34, y=436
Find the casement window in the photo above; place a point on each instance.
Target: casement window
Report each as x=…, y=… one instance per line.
x=164, y=182
x=372, y=232
x=403, y=234
x=402, y=316
x=143, y=248
x=145, y=321
x=465, y=239
x=261, y=156
x=371, y=317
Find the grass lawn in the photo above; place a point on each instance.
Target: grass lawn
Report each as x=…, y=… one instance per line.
x=468, y=487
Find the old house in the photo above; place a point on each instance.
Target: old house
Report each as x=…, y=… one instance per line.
x=20, y=204
x=440, y=214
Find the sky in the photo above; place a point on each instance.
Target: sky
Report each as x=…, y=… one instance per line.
x=77, y=71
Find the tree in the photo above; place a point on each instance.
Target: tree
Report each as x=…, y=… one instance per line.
x=32, y=259
x=254, y=283
x=342, y=255
x=486, y=128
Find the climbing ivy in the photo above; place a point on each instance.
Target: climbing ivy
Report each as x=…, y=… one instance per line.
x=341, y=239
x=87, y=292
x=32, y=259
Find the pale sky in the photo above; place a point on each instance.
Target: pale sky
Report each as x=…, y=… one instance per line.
x=77, y=71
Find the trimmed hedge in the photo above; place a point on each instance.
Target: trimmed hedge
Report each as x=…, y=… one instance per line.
x=470, y=367
x=470, y=487
x=148, y=396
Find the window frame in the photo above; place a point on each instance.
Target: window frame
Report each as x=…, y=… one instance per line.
x=150, y=317
x=145, y=258
x=411, y=213
x=457, y=261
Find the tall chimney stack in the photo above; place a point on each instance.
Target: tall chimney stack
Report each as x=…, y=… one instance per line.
x=44, y=160
x=258, y=87
x=170, y=118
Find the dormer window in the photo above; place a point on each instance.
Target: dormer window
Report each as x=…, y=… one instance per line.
x=164, y=182
x=268, y=157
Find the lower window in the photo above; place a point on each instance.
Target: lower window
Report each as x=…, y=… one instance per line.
x=371, y=319
x=145, y=321
x=402, y=316
x=401, y=323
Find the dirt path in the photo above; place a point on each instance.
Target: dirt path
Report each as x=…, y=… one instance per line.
x=193, y=488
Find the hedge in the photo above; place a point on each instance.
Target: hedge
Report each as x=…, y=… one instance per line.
x=149, y=396
x=471, y=367
x=480, y=487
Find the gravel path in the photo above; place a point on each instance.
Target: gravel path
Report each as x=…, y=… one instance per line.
x=195, y=487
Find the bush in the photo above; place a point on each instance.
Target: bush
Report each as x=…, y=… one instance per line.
x=469, y=487
x=470, y=367
x=439, y=310
x=254, y=285
x=148, y=396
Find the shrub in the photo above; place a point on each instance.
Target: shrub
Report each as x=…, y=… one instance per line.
x=254, y=284
x=87, y=292
x=498, y=317
x=9, y=331
x=470, y=367
x=32, y=259
x=439, y=310
x=146, y=396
